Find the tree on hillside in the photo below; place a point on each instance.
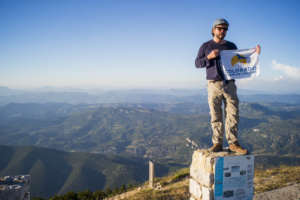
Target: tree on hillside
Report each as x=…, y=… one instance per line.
x=122, y=189
x=85, y=195
x=116, y=190
x=108, y=191
x=99, y=195
x=71, y=196
x=129, y=186
x=56, y=198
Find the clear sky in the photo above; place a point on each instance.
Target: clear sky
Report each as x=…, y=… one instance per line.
x=141, y=43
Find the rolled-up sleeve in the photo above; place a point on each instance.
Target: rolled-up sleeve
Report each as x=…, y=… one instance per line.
x=201, y=59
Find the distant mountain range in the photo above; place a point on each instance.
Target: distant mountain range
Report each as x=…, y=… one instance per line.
x=57, y=172
x=113, y=142
x=5, y=91
x=111, y=97
x=131, y=129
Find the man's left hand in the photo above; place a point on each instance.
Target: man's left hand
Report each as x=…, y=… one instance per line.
x=257, y=49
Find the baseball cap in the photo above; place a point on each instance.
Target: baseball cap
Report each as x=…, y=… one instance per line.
x=220, y=21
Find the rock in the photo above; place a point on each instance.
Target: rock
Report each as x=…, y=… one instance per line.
x=287, y=193
x=195, y=189
x=202, y=173
x=15, y=188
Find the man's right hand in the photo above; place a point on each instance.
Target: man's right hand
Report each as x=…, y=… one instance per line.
x=214, y=53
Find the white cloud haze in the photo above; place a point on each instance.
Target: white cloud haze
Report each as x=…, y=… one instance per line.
x=293, y=72
x=278, y=79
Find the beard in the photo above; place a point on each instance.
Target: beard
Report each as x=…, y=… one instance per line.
x=221, y=36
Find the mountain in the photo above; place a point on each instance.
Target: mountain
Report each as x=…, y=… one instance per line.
x=258, y=111
x=243, y=92
x=276, y=106
x=50, y=110
x=117, y=97
x=95, y=91
x=136, y=131
x=109, y=97
x=57, y=172
x=293, y=99
x=278, y=138
x=113, y=142
x=129, y=130
x=32, y=110
x=5, y=91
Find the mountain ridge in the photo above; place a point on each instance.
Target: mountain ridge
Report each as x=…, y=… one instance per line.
x=112, y=97
x=57, y=172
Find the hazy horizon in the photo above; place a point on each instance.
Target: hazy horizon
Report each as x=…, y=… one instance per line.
x=107, y=88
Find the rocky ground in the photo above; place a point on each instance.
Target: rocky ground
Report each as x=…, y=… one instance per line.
x=287, y=193
x=270, y=184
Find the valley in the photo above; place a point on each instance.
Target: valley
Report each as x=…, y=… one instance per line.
x=95, y=145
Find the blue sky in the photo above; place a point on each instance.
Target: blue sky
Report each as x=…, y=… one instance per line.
x=139, y=43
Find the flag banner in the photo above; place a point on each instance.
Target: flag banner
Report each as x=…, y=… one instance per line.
x=242, y=63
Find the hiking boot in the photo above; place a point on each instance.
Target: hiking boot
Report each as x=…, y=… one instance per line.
x=238, y=149
x=216, y=148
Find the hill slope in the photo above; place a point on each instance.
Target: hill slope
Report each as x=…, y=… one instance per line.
x=142, y=132
x=111, y=131
x=57, y=172
x=115, y=97
x=279, y=138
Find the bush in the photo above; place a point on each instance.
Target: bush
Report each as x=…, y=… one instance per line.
x=116, y=191
x=85, y=195
x=71, y=196
x=99, y=195
x=122, y=189
x=108, y=191
x=163, y=183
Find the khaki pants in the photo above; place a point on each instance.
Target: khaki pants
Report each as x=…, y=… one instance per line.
x=216, y=95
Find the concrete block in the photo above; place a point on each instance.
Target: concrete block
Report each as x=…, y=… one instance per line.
x=197, y=159
x=201, y=175
x=195, y=189
x=15, y=188
x=17, y=191
x=10, y=198
x=202, y=171
x=7, y=178
x=192, y=198
x=209, y=164
x=207, y=193
x=27, y=196
x=23, y=192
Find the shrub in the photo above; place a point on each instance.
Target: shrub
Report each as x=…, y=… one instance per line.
x=108, y=191
x=122, y=189
x=99, y=195
x=116, y=190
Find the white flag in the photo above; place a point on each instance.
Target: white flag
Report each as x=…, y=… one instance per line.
x=241, y=63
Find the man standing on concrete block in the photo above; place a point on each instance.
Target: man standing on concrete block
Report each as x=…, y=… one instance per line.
x=220, y=89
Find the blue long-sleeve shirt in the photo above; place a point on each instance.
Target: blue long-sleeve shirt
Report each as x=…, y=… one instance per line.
x=213, y=66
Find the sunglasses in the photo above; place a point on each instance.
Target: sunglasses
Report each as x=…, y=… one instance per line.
x=221, y=28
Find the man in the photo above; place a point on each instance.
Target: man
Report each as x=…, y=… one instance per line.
x=220, y=90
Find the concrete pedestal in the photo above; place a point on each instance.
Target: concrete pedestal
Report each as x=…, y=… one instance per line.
x=15, y=187
x=204, y=178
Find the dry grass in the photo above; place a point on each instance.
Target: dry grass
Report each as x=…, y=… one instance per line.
x=176, y=185
x=179, y=190
x=275, y=178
